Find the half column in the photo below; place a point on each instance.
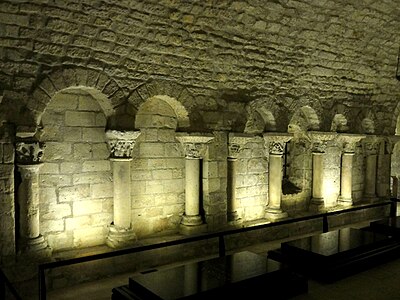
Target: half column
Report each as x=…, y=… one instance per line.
x=121, y=144
x=275, y=143
x=28, y=155
x=346, y=177
x=370, y=147
x=195, y=147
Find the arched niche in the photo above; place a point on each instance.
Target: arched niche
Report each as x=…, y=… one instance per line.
x=304, y=119
x=162, y=111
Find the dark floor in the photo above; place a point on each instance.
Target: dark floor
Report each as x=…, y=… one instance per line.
x=379, y=283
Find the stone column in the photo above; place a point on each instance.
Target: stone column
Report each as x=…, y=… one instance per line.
x=275, y=143
x=319, y=142
x=121, y=145
x=370, y=145
x=346, y=178
x=195, y=148
x=384, y=166
x=235, y=145
x=28, y=155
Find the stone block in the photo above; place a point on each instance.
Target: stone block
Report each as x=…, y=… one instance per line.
x=57, y=211
x=89, y=236
x=70, y=167
x=57, y=151
x=78, y=222
x=60, y=240
x=72, y=134
x=102, y=190
x=88, y=103
x=54, y=180
x=153, y=187
x=101, y=120
x=173, y=186
x=97, y=177
x=59, y=104
x=100, y=151
x=48, y=195
x=93, y=134
x=162, y=174
x=173, y=150
x=139, y=175
x=53, y=225
x=96, y=166
x=152, y=149
x=50, y=168
x=86, y=207
x=77, y=192
x=80, y=118
x=8, y=153
x=82, y=151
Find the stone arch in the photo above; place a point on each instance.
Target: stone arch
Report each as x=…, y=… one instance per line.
x=103, y=88
x=161, y=112
x=177, y=97
x=260, y=120
x=304, y=119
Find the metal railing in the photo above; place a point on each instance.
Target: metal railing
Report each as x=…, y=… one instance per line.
x=5, y=285
x=220, y=235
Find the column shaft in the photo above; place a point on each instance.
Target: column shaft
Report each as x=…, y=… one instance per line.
x=370, y=176
x=232, y=203
x=346, y=178
x=192, y=190
x=275, y=181
x=317, y=171
x=122, y=192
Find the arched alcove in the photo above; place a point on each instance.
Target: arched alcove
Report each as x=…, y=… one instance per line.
x=304, y=119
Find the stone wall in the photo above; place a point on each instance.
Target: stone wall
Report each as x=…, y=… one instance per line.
x=7, y=203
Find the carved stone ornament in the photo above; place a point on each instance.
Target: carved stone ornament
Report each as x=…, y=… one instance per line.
x=391, y=141
x=29, y=152
x=320, y=140
x=194, y=145
x=371, y=145
x=349, y=141
x=275, y=142
x=121, y=143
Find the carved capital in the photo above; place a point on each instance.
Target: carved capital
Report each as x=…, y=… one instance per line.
x=276, y=142
x=390, y=142
x=29, y=152
x=371, y=145
x=121, y=143
x=349, y=141
x=195, y=146
x=319, y=140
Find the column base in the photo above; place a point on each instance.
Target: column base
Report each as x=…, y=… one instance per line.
x=119, y=237
x=274, y=214
x=191, y=220
x=36, y=247
x=233, y=216
x=317, y=205
x=191, y=230
x=345, y=201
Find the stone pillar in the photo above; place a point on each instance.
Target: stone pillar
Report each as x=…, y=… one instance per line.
x=346, y=177
x=370, y=145
x=319, y=142
x=121, y=145
x=195, y=149
x=384, y=166
x=275, y=143
x=28, y=155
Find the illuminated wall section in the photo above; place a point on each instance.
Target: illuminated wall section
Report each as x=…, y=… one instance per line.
x=75, y=180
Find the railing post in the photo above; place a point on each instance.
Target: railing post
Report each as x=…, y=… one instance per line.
x=393, y=211
x=221, y=245
x=2, y=286
x=325, y=226
x=42, y=284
